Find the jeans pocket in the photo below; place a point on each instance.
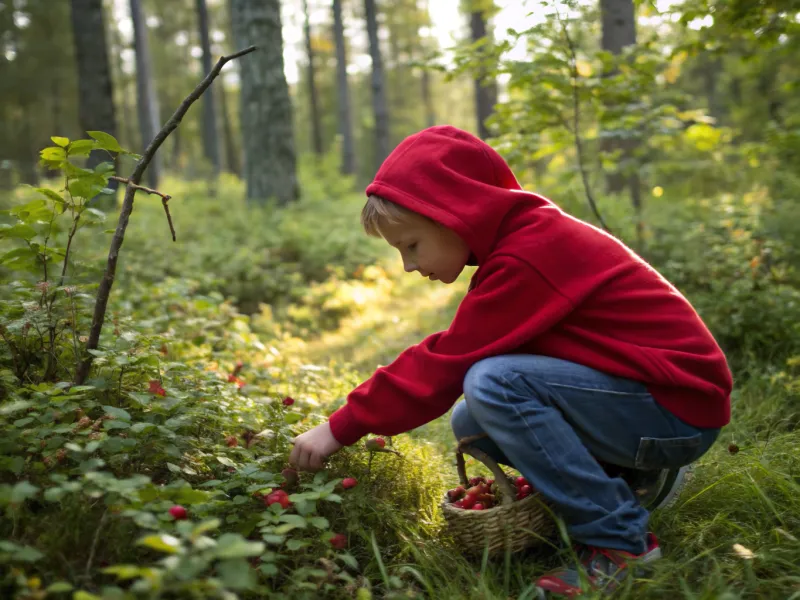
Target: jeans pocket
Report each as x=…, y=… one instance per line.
x=668, y=453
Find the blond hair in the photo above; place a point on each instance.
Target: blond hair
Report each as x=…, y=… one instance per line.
x=378, y=210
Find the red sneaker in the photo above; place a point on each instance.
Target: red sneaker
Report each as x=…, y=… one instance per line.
x=603, y=569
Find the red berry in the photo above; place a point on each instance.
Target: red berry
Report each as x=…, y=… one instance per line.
x=733, y=448
x=455, y=493
x=489, y=482
x=288, y=401
x=525, y=490
x=468, y=501
x=476, y=481
x=232, y=378
x=178, y=513
x=520, y=481
x=278, y=497
x=375, y=444
x=339, y=541
x=478, y=506
x=231, y=441
x=349, y=482
x=155, y=388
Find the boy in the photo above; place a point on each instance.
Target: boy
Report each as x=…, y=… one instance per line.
x=569, y=349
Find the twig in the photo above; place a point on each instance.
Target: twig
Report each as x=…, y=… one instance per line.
x=127, y=207
x=94, y=544
x=576, y=123
x=164, y=199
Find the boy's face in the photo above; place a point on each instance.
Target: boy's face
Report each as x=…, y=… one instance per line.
x=433, y=250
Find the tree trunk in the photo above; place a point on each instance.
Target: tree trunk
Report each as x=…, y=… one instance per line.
x=379, y=105
x=343, y=93
x=316, y=127
x=95, y=92
x=210, y=138
x=145, y=90
x=618, y=31
x=485, y=91
x=266, y=109
x=232, y=159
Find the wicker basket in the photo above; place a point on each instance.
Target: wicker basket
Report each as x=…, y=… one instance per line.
x=513, y=525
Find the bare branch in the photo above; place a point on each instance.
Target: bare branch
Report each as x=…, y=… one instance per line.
x=127, y=207
x=164, y=199
x=128, y=182
x=577, y=120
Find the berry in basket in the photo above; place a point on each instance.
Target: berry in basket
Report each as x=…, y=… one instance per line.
x=481, y=494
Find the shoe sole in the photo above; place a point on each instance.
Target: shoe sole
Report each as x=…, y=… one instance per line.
x=673, y=485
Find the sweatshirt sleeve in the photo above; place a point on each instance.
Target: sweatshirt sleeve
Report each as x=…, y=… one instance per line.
x=511, y=304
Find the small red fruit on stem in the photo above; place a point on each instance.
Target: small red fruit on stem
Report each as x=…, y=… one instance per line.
x=339, y=541
x=349, y=482
x=520, y=481
x=377, y=442
x=231, y=441
x=155, y=388
x=278, y=497
x=178, y=512
x=478, y=506
x=288, y=401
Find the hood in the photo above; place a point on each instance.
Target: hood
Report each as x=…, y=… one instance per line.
x=459, y=181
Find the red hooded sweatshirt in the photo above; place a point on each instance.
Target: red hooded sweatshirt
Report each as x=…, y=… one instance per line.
x=546, y=284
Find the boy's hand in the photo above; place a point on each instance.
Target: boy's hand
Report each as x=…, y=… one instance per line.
x=313, y=447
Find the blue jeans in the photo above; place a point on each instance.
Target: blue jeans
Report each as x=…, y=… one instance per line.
x=552, y=420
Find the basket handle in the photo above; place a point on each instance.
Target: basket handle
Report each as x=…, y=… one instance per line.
x=500, y=478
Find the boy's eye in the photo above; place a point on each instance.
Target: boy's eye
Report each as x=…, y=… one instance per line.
x=412, y=246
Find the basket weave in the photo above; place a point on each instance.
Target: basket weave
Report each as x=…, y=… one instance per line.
x=512, y=526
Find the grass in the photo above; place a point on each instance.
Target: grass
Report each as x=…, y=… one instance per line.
x=734, y=532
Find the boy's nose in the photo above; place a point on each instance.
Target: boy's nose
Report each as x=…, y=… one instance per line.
x=409, y=267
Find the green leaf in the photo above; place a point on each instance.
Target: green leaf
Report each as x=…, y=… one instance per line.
x=81, y=595
x=226, y=461
x=117, y=413
x=60, y=141
x=53, y=153
x=59, y=586
x=319, y=522
x=96, y=213
x=173, y=468
x=162, y=543
x=114, y=424
x=292, y=417
x=28, y=554
x=349, y=560
x=273, y=539
x=22, y=491
x=139, y=427
x=268, y=569
x=295, y=520
x=233, y=545
x=187, y=495
x=87, y=186
x=54, y=494
x=236, y=574
x=19, y=231
x=106, y=141
x=124, y=572
x=205, y=527
x=294, y=545
x=52, y=194
x=81, y=147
